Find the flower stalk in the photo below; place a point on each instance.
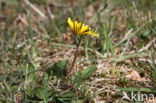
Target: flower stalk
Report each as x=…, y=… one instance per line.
x=79, y=29
x=74, y=60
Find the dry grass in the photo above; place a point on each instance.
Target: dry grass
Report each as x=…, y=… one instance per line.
x=34, y=36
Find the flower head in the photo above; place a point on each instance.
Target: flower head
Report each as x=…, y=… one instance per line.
x=80, y=28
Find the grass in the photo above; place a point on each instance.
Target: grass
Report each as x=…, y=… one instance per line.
x=36, y=51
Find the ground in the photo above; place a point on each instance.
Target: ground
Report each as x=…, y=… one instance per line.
x=37, y=49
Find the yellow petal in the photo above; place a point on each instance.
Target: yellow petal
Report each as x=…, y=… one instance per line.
x=79, y=28
x=76, y=27
x=92, y=33
x=71, y=24
x=84, y=29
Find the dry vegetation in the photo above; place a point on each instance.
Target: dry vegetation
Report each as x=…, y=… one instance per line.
x=36, y=49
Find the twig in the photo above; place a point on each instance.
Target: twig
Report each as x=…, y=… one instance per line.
x=127, y=36
x=35, y=9
x=23, y=20
x=50, y=13
x=61, y=5
x=144, y=60
x=132, y=55
x=148, y=45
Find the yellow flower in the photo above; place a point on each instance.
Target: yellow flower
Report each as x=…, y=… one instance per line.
x=79, y=28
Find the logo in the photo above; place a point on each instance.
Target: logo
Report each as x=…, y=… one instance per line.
x=138, y=97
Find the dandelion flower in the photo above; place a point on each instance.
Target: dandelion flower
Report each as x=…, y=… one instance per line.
x=79, y=28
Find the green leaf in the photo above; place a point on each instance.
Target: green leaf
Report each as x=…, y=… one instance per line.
x=77, y=101
x=82, y=75
x=30, y=93
x=138, y=89
x=43, y=93
x=67, y=94
x=58, y=69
